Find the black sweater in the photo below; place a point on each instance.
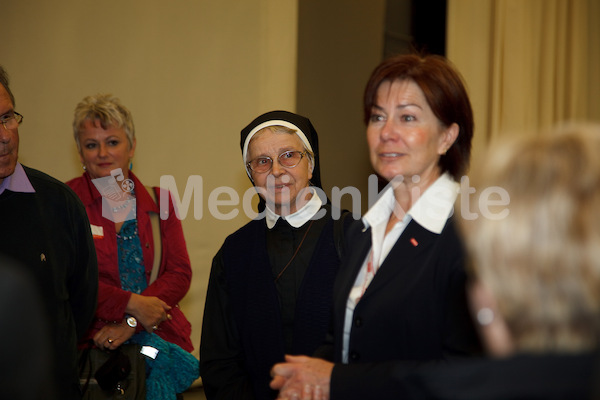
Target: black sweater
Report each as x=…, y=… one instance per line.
x=48, y=232
x=250, y=321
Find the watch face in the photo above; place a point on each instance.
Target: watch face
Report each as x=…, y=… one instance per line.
x=132, y=322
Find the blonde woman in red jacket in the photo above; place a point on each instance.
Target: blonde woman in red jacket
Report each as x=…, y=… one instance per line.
x=128, y=303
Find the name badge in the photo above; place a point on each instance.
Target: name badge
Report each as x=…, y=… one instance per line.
x=97, y=231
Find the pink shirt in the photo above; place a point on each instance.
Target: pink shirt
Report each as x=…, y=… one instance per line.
x=17, y=182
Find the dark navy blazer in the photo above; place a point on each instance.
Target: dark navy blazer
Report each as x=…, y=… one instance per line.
x=413, y=313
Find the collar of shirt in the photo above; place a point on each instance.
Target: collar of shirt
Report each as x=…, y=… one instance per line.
x=17, y=182
x=298, y=218
x=430, y=211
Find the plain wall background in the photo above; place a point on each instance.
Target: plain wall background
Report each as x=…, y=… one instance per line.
x=339, y=43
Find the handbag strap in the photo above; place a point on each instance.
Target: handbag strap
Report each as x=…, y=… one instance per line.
x=85, y=358
x=154, y=221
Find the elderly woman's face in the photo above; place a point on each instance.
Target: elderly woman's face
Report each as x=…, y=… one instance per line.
x=404, y=135
x=104, y=150
x=281, y=186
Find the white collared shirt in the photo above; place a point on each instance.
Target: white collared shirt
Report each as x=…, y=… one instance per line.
x=300, y=217
x=431, y=211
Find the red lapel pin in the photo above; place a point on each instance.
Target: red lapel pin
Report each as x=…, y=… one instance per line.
x=414, y=242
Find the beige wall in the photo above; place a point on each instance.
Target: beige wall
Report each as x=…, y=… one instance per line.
x=337, y=50
x=193, y=73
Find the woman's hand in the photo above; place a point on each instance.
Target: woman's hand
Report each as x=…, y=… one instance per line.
x=150, y=311
x=302, y=378
x=113, y=335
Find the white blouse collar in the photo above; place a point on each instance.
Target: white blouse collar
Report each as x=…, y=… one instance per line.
x=298, y=218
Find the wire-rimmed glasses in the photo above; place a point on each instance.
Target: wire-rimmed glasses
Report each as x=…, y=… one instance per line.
x=287, y=159
x=11, y=120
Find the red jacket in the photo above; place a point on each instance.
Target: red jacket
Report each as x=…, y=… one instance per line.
x=175, y=272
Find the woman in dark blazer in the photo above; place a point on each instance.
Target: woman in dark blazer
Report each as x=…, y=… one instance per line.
x=399, y=299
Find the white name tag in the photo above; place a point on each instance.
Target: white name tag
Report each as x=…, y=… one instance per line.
x=97, y=231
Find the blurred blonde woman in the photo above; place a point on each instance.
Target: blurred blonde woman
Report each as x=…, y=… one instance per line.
x=542, y=261
x=132, y=306
x=536, y=268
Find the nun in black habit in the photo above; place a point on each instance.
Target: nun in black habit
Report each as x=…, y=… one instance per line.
x=270, y=286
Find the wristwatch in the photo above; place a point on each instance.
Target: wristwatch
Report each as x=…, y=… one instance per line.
x=131, y=321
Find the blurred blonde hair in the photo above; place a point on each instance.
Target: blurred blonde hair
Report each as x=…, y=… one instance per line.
x=542, y=262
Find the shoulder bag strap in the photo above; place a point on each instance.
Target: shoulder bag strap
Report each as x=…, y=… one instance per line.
x=155, y=234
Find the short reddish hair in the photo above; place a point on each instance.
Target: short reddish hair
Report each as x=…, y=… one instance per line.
x=445, y=93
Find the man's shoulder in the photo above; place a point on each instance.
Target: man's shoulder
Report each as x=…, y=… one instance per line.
x=48, y=186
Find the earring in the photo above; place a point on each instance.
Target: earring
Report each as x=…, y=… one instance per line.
x=485, y=316
x=130, y=165
x=84, y=167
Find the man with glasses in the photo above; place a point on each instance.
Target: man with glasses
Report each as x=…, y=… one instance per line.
x=46, y=229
